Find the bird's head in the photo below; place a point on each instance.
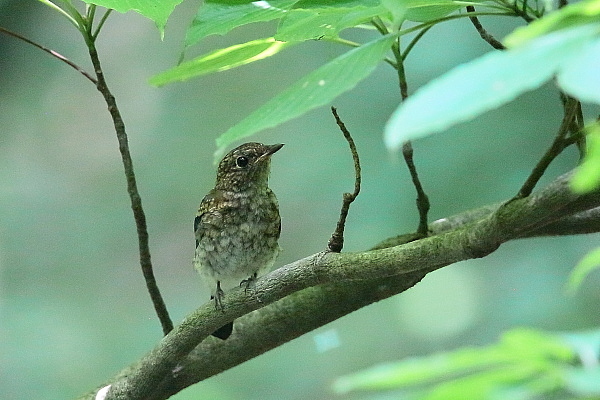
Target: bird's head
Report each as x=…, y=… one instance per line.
x=246, y=166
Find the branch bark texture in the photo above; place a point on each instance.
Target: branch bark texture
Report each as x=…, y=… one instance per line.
x=289, y=301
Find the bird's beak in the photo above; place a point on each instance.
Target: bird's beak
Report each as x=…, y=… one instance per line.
x=271, y=150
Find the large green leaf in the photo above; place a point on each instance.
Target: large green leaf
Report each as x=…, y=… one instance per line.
x=221, y=60
x=315, y=89
x=156, y=10
x=580, y=76
x=483, y=84
x=221, y=16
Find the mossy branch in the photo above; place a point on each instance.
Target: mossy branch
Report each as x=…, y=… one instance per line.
x=343, y=281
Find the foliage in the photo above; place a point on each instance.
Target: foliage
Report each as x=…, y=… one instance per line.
x=524, y=364
x=313, y=20
x=561, y=44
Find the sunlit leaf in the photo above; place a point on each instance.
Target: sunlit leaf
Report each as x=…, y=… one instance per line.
x=221, y=16
x=589, y=263
x=576, y=14
x=317, y=88
x=523, y=357
x=221, y=60
x=325, y=21
x=483, y=84
x=587, y=176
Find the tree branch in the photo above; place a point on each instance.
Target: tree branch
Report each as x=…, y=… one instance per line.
x=134, y=195
x=336, y=241
x=343, y=281
x=482, y=32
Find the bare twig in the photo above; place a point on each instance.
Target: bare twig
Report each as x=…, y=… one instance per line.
x=51, y=52
x=482, y=32
x=336, y=242
x=136, y=201
x=422, y=199
x=558, y=145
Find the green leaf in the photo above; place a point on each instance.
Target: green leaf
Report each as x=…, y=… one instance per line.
x=315, y=89
x=584, y=12
x=580, y=76
x=221, y=60
x=587, y=176
x=521, y=357
x=589, y=263
x=429, y=10
x=483, y=84
x=156, y=10
x=221, y=16
x=325, y=21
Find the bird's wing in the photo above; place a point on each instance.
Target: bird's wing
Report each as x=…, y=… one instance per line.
x=208, y=214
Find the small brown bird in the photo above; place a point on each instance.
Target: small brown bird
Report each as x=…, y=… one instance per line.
x=238, y=225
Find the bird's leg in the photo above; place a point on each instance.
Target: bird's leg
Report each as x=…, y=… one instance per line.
x=218, y=297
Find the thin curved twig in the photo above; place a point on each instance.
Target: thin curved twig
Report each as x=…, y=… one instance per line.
x=336, y=242
x=482, y=32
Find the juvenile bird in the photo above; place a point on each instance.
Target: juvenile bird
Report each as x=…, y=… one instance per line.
x=238, y=225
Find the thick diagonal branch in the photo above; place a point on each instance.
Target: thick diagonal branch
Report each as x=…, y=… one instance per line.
x=345, y=281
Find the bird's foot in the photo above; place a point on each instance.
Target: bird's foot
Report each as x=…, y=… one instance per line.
x=248, y=282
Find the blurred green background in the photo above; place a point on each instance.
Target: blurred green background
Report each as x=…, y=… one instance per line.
x=73, y=304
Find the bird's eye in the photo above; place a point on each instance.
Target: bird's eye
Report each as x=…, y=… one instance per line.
x=241, y=161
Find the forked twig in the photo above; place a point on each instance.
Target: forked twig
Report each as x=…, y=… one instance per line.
x=336, y=242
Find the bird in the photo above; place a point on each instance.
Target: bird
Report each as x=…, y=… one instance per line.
x=238, y=225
